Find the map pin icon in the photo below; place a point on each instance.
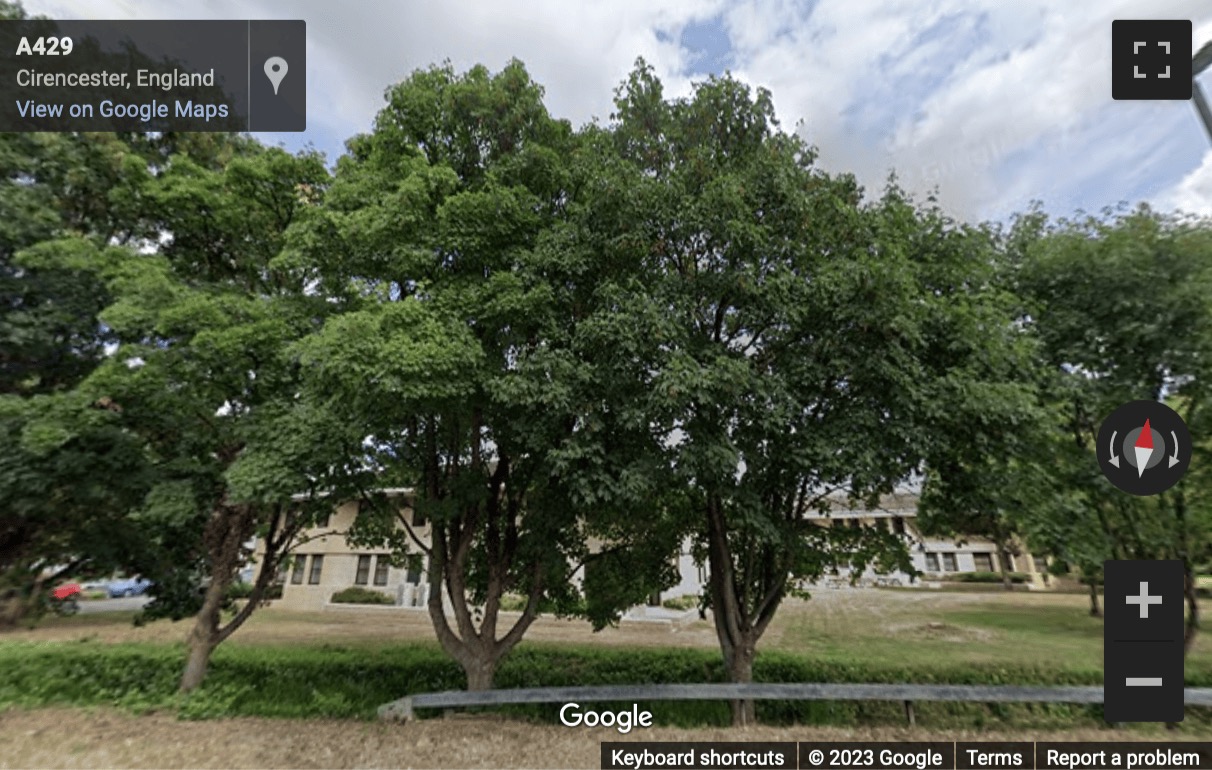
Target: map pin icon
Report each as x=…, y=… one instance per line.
x=275, y=70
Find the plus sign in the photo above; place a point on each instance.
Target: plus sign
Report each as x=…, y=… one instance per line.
x=1144, y=600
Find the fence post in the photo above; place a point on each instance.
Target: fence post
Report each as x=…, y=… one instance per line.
x=909, y=715
x=398, y=709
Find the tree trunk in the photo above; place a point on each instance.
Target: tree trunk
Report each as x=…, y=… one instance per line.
x=740, y=671
x=1192, y=595
x=480, y=671
x=737, y=626
x=201, y=645
x=1003, y=561
x=205, y=635
x=226, y=531
x=12, y=610
x=476, y=650
x=17, y=602
x=1190, y=591
x=1095, y=610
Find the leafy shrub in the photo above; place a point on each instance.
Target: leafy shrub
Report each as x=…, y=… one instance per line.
x=564, y=607
x=681, y=603
x=333, y=681
x=986, y=577
x=239, y=590
x=360, y=595
x=513, y=602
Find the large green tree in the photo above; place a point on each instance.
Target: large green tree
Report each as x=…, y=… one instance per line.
x=202, y=373
x=71, y=469
x=68, y=471
x=456, y=351
x=1120, y=302
x=794, y=342
x=991, y=469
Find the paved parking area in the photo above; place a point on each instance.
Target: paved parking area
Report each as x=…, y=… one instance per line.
x=127, y=603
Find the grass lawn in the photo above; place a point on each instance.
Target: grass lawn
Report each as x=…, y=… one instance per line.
x=942, y=629
x=882, y=627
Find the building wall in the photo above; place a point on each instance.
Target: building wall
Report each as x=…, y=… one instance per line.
x=693, y=576
x=901, y=508
x=896, y=513
x=340, y=566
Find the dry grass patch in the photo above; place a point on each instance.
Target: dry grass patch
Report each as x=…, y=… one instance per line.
x=74, y=738
x=356, y=626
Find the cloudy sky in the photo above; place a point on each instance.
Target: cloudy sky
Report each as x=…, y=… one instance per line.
x=995, y=104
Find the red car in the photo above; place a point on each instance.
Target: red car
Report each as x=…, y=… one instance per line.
x=65, y=600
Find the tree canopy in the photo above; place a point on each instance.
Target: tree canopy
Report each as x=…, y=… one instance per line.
x=578, y=349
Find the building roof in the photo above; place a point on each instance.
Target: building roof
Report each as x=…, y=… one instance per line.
x=387, y=491
x=899, y=503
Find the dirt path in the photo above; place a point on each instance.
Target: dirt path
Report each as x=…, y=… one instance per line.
x=74, y=738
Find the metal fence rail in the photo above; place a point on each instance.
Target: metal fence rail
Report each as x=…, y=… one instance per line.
x=904, y=693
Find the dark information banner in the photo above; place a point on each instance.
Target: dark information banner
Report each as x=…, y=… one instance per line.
x=153, y=75
x=1026, y=755
x=699, y=755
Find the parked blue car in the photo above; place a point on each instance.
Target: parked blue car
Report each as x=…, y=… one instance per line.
x=128, y=587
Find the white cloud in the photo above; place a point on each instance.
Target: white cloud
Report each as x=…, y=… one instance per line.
x=994, y=103
x=578, y=52
x=1027, y=82
x=1194, y=193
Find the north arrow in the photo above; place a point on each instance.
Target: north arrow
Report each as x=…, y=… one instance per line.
x=1144, y=448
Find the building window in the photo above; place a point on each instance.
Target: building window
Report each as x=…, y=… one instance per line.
x=363, y=574
x=296, y=575
x=381, y=565
x=949, y=564
x=983, y=562
x=418, y=518
x=1040, y=562
x=898, y=525
x=854, y=523
x=932, y=562
x=415, y=565
x=317, y=565
x=321, y=520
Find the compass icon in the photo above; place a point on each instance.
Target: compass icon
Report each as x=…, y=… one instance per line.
x=1144, y=447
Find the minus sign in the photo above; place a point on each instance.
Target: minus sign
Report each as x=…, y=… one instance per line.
x=1143, y=681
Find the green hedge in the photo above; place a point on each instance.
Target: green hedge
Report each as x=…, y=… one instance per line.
x=681, y=603
x=986, y=577
x=359, y=595
x=351, y=682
